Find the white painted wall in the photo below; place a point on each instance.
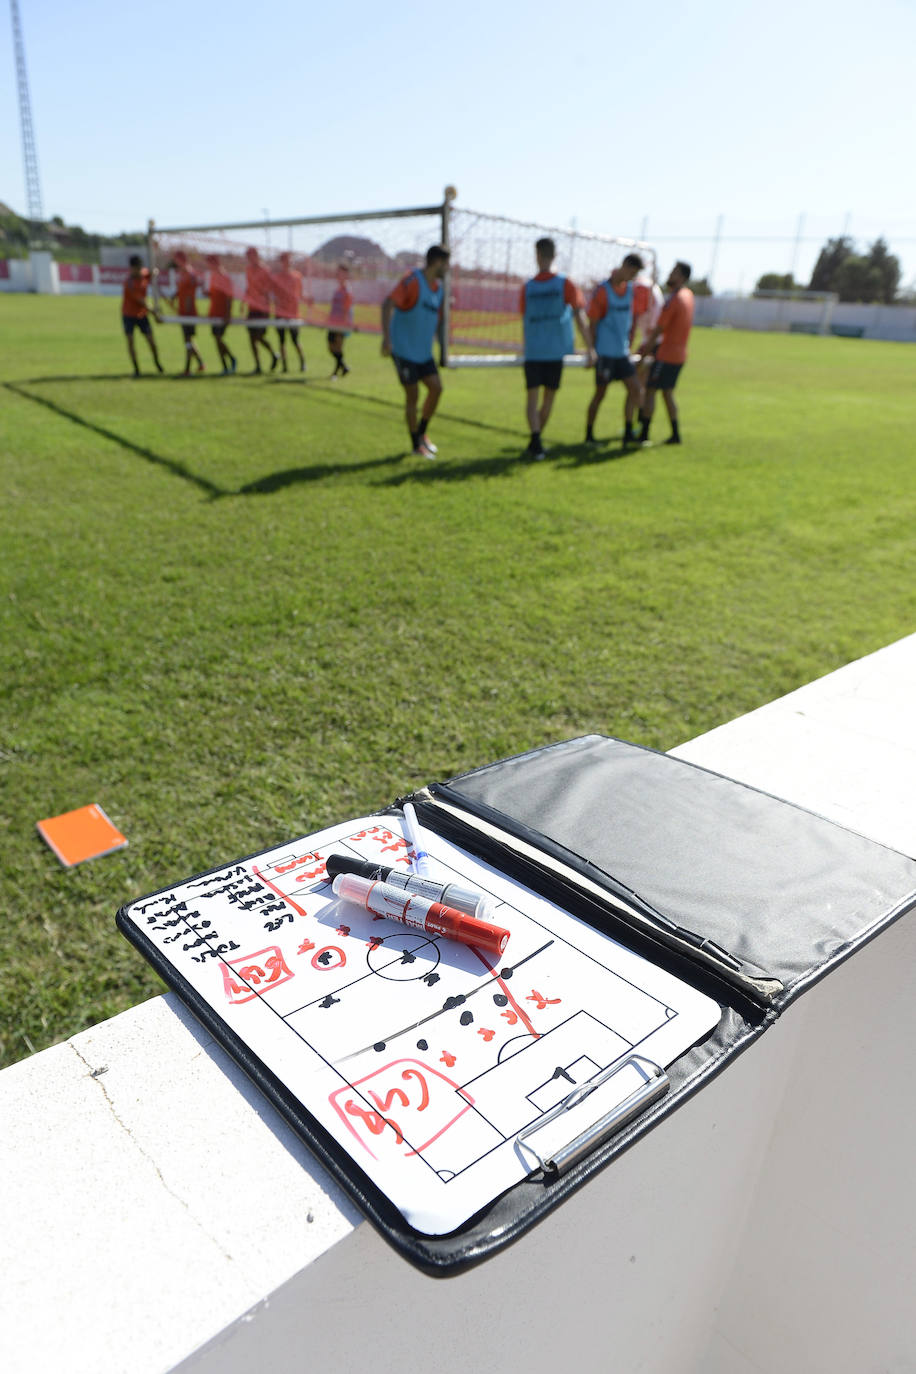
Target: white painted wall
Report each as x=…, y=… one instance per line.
x=895, y=322
x=45, y=276
x=20, y=276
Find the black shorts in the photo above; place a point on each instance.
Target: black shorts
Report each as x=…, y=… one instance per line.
x=410, y=373
x=259, y=315
x=218, y=330
x=188, y=330
x=337, y=336
x=546, y=374
x=293, y=332
x=609, y=370
x=141, y=322
x=663, y=376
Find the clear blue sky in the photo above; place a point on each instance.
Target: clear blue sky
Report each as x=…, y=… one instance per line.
x=670, y=114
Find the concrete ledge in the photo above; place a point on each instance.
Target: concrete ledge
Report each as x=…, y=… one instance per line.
x=153, y=1196
x=843, y=746
x=158, y=1214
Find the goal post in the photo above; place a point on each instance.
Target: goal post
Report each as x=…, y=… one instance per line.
x=491, y=258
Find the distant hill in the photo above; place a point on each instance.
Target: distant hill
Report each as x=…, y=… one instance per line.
x=68, y=242
x=351, y=248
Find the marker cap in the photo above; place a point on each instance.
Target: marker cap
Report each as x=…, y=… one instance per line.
x=343, y=863
x=466, y=899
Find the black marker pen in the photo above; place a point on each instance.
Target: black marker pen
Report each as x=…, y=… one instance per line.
x=448, y=894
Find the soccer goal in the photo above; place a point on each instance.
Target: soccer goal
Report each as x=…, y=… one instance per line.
x=491, y=258
x=792, y=310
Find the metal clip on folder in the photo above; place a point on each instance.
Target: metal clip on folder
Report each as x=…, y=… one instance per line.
x=556, y=1161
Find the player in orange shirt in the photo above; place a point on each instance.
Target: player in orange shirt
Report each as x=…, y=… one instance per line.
x=340, y=320
x=135, y=311
x=220, y=312
x=647, y=306
x=185, y=304
x=287, y=294
x=648, y=300
x=672, y=330
x=258, y=286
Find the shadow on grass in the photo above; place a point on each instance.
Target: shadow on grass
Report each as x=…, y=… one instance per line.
x=316, y=472
x=501, y=463
x=584, y=455
x=324, y=389
x=172, y=465
x=506, y=462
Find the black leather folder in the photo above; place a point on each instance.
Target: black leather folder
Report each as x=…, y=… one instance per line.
x=749, y=899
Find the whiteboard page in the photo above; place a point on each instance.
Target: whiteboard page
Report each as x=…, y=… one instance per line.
x=423, y=1058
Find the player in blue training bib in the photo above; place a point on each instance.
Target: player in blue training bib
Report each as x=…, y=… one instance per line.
x=549, y=303
x=610, y=313
x=410, y=319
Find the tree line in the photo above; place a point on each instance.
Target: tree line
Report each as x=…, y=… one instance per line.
x=68, y=242
x=872, y=277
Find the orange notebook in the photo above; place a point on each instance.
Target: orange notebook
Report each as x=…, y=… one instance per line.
x=86, y=833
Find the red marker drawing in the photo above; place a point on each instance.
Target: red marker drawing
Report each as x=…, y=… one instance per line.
x=419, y=912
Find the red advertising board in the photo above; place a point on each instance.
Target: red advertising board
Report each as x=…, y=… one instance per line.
x=75, y=271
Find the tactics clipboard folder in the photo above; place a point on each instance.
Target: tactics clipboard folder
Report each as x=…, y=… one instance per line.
x=662, y=918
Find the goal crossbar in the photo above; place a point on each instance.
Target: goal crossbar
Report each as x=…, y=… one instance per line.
x=357, y=216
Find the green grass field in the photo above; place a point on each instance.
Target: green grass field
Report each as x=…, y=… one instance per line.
x=233, y=610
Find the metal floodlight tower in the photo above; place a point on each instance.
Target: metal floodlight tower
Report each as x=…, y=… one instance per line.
x=29, y=151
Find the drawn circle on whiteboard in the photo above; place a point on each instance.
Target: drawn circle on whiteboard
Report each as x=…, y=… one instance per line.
x=329, y=958
x=510, y=1047
x=404, y=958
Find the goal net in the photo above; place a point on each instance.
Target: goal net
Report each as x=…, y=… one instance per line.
x=374, y=249
x=491, y=259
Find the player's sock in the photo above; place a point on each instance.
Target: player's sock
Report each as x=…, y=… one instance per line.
x=645, y=422
x=589, y=435
x=675, y=432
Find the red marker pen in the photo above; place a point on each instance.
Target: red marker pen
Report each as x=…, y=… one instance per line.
x=419, y=912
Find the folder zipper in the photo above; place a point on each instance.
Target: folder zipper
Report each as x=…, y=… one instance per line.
x=619, y=914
